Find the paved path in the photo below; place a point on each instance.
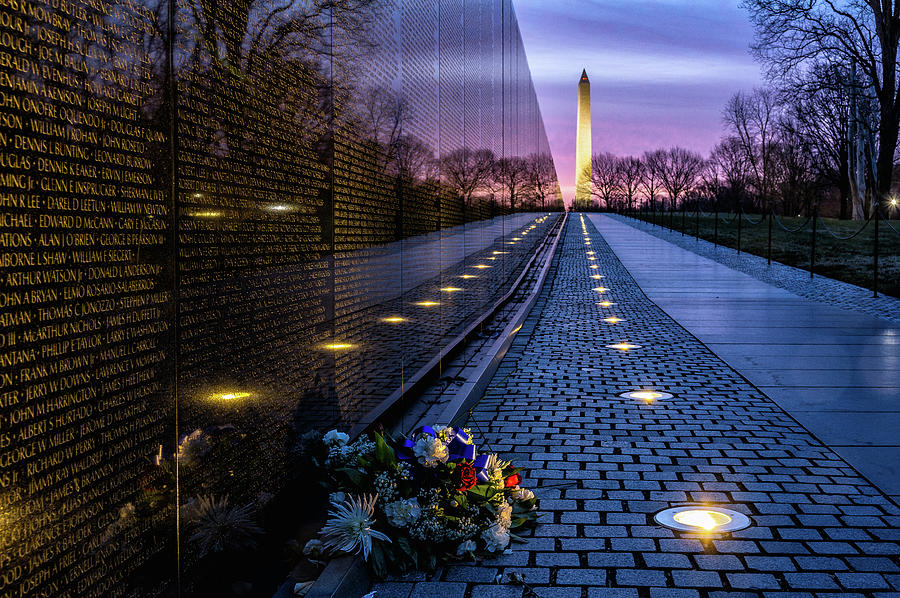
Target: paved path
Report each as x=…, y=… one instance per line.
x=603, y=465
x=834, y=370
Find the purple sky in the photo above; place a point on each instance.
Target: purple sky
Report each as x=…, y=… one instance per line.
x=660, y=71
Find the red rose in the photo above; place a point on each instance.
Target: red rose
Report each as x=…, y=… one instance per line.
x=464, y=477
x=513, y=480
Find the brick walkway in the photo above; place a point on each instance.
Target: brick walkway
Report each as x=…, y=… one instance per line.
x=604, y=465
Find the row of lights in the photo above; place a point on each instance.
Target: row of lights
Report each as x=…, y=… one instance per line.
x=690, y=518
x=429, y=303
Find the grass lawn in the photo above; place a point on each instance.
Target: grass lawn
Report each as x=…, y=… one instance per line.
x=846, y=260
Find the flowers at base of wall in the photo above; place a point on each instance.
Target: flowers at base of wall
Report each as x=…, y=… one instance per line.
x=436, y=499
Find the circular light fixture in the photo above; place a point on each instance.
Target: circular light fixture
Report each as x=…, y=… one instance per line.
x=612, y=320
x=601, y=289
x=623, y=346
x=606, y=303
x=597, y=276
x=646, y=395
x=595, y=267
x=468, y=276
x=393, y=319
x=481, y=266
x=427, y=303
x=702, y=519
x=451, y=289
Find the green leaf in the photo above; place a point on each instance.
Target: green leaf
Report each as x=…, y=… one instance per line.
x=482, y=492
x=377, y=560
x=356, y=477
x=406, y=547
x=384, y=454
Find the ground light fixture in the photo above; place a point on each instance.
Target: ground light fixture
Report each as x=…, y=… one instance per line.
x=595, y=267
x=468, y=276
x=481, y=266
x=597, y=276
x=451, y=289
x=427, y=303
x=623, y=346
x=601, y=289
x=612, y=320
x=702, y=518
x=648, y=396
x=393, y=320
x=606, y=303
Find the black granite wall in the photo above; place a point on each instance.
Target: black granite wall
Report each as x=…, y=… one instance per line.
x=223, y=224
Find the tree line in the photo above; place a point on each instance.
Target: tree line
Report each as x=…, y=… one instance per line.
x=823, y=130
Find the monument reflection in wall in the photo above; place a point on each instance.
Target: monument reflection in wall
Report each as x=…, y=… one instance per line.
x=195, y=199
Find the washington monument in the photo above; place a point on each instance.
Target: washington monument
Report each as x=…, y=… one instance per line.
x=583, y=144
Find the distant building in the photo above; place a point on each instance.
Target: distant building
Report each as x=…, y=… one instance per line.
x=583, y=144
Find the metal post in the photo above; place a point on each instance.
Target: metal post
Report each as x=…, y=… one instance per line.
x=697, y=219
x=740, y=210
x=812, y=245
x=771, y=217
x=716, y=232
x=875, y=253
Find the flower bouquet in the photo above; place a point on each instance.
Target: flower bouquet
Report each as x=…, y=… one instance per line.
x=413, y=503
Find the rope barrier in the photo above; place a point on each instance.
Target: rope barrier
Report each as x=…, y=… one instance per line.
x=749, y=221
x=728, y=221
x=840, y=238
x=888, y=222
x=790, y=230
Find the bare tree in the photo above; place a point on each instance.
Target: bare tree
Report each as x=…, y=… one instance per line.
x=650, y=180
x=630, y=172
x=511, y=175
x=793, y=169
x=606, y=178
x=752, y=118
x=791, y=35
x=730, y=161
x=467, y=170
x=542, y=178
x=679, y=171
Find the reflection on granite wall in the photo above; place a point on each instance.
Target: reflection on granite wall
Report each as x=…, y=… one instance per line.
x=222, y=225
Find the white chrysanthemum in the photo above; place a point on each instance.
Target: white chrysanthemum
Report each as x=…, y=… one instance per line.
x=349, y=527
x=401, y=513
x=522, y=494
x=504, y=515
x=466, y=547
x=495, y=538
x=431, y=451
x=335, y=438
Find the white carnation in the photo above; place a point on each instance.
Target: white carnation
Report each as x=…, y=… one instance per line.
x=504, y=515
x=401, y=513
x=495, y=538
x=522, y=494
x=335, y=438
x=466, y=547
x=431, y=451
